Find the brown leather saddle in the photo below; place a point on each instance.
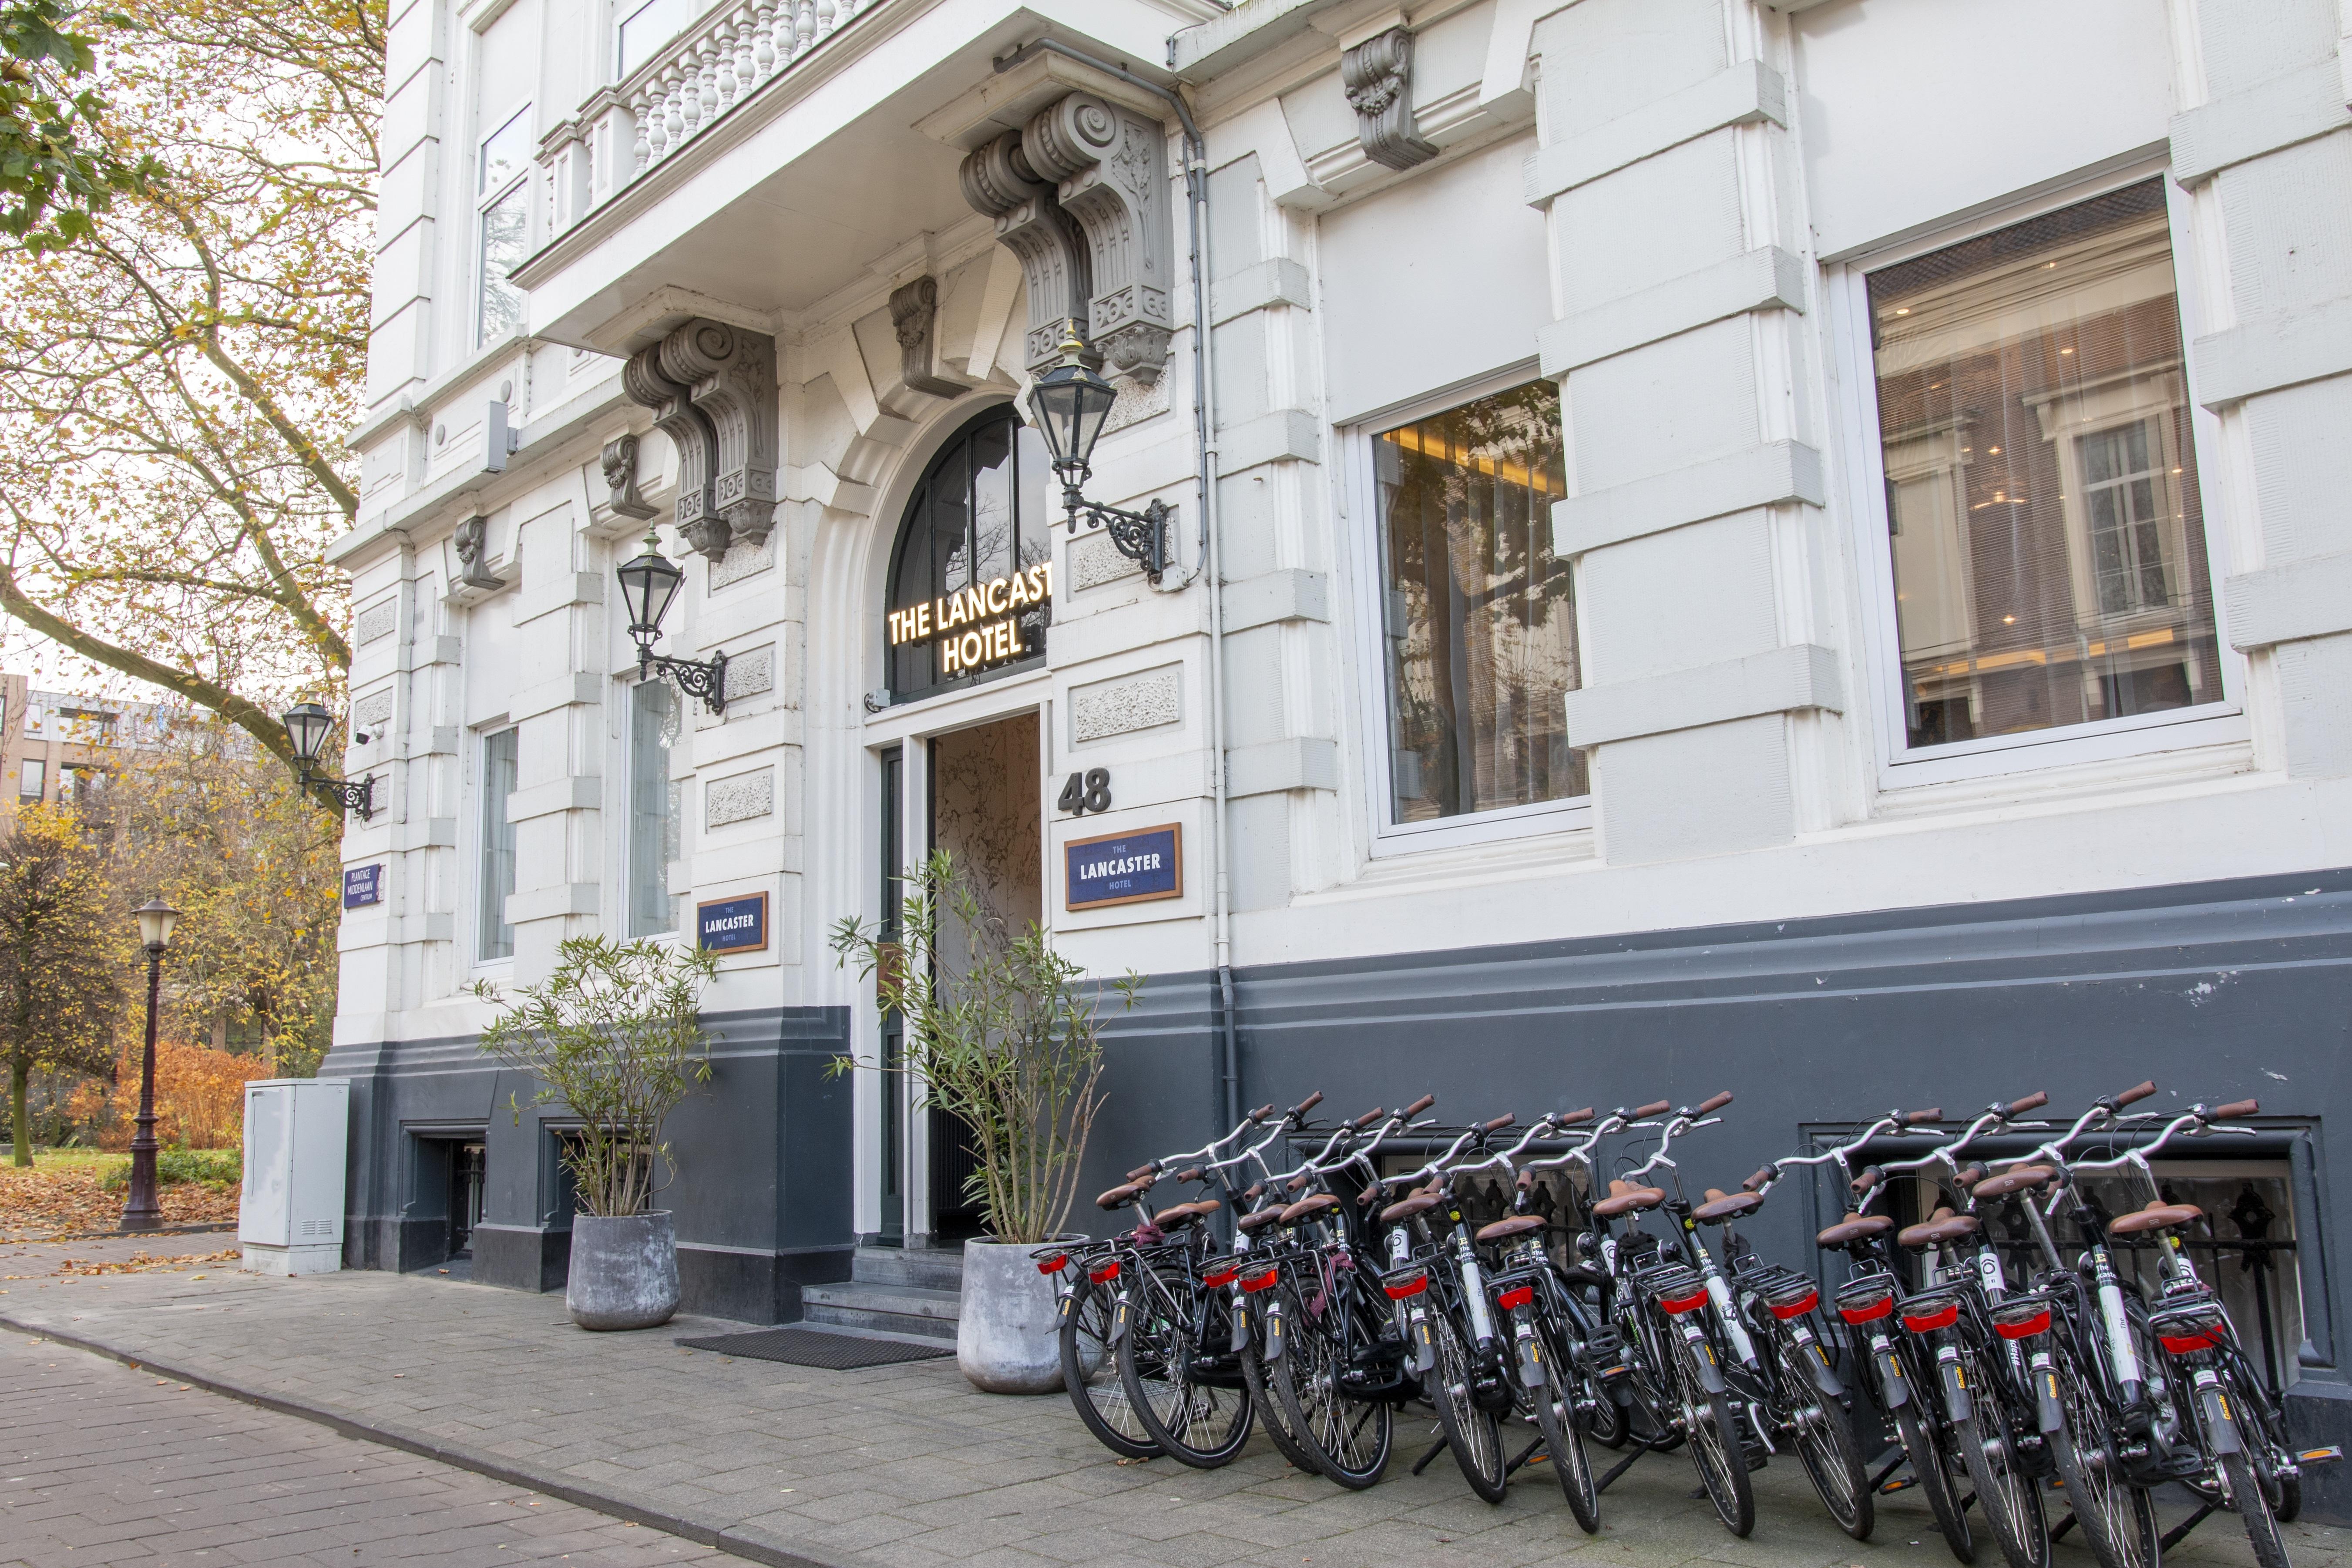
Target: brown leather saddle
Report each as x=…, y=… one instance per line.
x=2021, y=1179
x=2158, y=1216
x=1306, y=1206
x=1854, y=1228
x=1186, y=1214
x=1625, y=1199
x=1504, y=1229
x=1721, y=1205
x=1260, y=1219
x=1418, y=1202
x=1940, y=1227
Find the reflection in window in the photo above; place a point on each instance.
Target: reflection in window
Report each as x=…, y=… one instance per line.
x=647, y=28
x=1480, y=622
x=497, y=871
x=983, y=512
x=2048, y=546
x=653, y=831
x=31, y=779
x=505, y=226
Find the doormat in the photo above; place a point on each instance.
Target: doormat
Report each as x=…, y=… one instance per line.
x=797, y=1346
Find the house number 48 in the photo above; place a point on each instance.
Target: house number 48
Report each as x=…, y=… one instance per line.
x=1088, y=791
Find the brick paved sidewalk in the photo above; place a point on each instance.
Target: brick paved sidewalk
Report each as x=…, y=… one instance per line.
x=107, y=1465
x=903, y=1467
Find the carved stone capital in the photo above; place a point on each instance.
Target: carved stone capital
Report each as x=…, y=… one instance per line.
x=620, y=464
x=712, y=388
x=472, y=538
x=914, y=317
x=1377, y=76
x=1111, y=169
x=999, y=180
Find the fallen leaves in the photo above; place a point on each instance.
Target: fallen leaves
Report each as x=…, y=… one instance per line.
x=141, y=1263
x=61, y=1197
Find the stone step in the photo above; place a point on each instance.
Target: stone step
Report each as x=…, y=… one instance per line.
x=893, y=1309
x=921, y=1267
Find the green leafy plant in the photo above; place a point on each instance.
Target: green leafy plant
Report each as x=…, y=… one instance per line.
x=615, y=1035
x=219, y=1169
x=999, y=1031
x=58, y=163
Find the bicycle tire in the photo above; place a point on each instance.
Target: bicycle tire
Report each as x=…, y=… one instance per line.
x=1090, y=1376
x=1474, y=1435
x=2252, y=1501
x=1195, y=1423
x=2012, y=1502
x=1349, y=1440
x=1716, y=1450
x=2267, y=1429
x=1563, y=1442
x=1825, y=1441
x=1273, y=1412
x=1927, y=1467
x=2117, y=1519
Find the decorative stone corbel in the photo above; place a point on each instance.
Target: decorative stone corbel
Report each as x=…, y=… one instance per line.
x=914, y=316
x=620, y=459
x=1377, y=76
x=1111, y=168
x=999, y=180
x=712, y=390
x=472, y=539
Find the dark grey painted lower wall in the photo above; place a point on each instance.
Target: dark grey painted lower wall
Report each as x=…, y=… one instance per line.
x=762, y=1155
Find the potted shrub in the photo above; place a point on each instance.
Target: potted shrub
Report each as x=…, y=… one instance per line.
x=614, y=1034
x=1000, y=1032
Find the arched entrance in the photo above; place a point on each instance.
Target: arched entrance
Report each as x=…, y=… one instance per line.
x=968, y=603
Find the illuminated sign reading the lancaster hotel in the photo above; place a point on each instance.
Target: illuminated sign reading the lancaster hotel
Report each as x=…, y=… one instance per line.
x=976, y=626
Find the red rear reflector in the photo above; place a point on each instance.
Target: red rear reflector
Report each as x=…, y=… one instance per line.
x=1223, y=1276
x=2023, y=1327
x=2184, y=1344
x=1943, y=1317
x=1055, y=1265
x=1261, y=1281
x=1399, y=1289
x=1798, y=1309
x=1107, y=1271
x=1869, y=1311
x=1514, y=1299
x=1677, y=1305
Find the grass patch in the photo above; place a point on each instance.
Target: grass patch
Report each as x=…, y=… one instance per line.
x=219, y=1169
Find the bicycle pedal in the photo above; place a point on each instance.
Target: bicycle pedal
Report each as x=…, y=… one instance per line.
x=2330, y=1455
x=1756, y=1459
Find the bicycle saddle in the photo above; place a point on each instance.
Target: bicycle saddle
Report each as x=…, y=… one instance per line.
x=1721, y=1207
x=1418, y=1202
x=1940, y=1227
x=1852, y=1228
x=2158, y=1216
x=1504, y=1229
x=1625, y=1199
x=1260, y=1220
x=2025, y=1178
x=1118, y=1196
x=1186, y=1214
x=1306, y=1206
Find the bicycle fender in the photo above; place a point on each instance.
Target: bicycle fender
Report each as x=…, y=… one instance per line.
x=1118, y=1320
x=1890, y=1373
x=1273, y=1340
x=2045, y=1396
x=1531, y=1367
x=1817, y=1364
x=1425, y=1344
x=1957, y=1402
x=1240, y=1328
x=2219, y=1419
x=1710, y=1376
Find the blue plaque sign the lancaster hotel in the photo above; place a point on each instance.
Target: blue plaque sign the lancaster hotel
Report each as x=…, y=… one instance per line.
x=1124, y=867
x=733, y=925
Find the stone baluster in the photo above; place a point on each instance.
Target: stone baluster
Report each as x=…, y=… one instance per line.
x=641, y=150
x=764, y=51
x=744, y=80
x=706, y=54
x=804, y=26
x=825, y=18
x=674, y=105
x=723, y=42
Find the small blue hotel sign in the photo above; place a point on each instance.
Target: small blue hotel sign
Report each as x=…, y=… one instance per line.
x=733, y=925
x=1124, y=867
x=362, y=885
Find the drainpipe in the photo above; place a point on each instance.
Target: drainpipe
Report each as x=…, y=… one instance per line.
x=1206, y=553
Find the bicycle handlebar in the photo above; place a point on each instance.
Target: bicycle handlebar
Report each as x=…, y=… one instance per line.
x=1915, y=1117
x=1262, y=1112
x=2033, y=1101
x=1366, y=1120
x=1714, y=1103
x=1418, y=1106
x=2235, y=1109
x=1309, y=1103
x=1656, y=1108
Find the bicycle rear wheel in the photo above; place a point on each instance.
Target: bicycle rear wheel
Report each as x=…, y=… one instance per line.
x=1349, y=1439
x=1273, y=1410
x=2011, y=1500
x=1927, y=1467
x=1161, y=1360
x=1474, y=1435
x=1556, y=1416
x=2119, y=1519
x=1090, y=1376
x=1715, y=1448
x=1823, y=1439
x=2253, y=1502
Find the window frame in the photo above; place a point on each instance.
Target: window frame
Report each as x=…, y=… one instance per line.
x=632, y=824
x=482, y=960
x=1366, y=597
x=1855, y=407
x=484, y=200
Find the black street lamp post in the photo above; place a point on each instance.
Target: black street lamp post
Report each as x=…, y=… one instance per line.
x=648, y=582
x=306, y=728
x=156, y=919
x=1072, y=404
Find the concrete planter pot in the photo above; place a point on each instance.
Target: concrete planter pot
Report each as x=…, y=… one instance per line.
x=1006, y=1336
x=623, y=1271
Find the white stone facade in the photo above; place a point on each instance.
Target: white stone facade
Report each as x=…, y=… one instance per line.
x=1668, y=208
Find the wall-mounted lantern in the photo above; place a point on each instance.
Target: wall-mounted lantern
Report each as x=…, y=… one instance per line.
x=1071, y=404
x=648, y=584
x=306, y=728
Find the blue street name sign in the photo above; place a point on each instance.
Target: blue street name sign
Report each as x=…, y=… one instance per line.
x=733, y=925
x=363, y=885
x=1124, y=867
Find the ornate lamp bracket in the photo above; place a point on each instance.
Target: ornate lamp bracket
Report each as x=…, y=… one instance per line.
x=705, y=678
x=1140, y=536
x=343, y=793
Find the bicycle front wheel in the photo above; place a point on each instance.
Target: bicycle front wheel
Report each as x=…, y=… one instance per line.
x=1274, y=1411
x=1715, y=1450
x=2253, y=1502
x=1927, y=1469
x=1474, y=1435
x=1090, y=1376
x=1162, y=1364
